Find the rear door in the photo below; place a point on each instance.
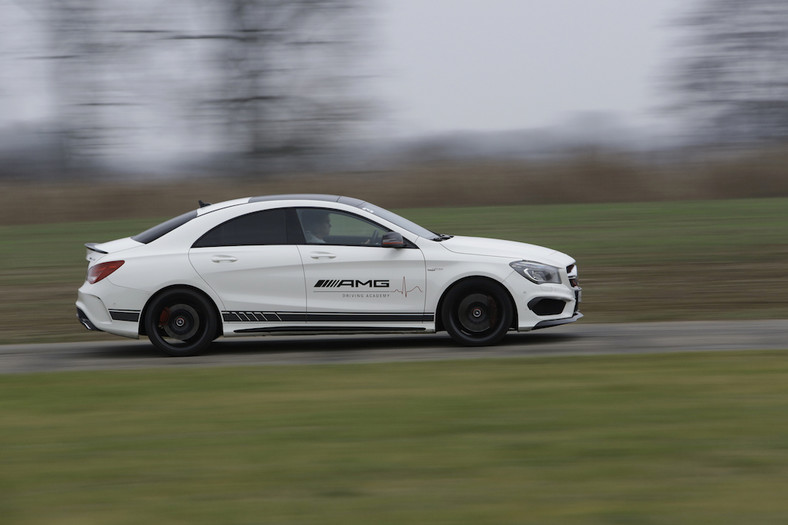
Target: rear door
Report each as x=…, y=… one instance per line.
x=251, y=266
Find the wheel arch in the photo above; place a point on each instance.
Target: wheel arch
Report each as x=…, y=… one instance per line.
x=438, y=311
x=186, y=288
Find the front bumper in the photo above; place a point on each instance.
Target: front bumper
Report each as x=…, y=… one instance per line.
x=545, y=305
x=557, y=322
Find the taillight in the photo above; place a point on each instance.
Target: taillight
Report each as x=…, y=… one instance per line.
x=101, y=270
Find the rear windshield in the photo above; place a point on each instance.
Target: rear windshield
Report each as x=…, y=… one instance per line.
x=164, y=228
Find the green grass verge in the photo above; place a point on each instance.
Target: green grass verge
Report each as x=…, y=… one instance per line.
x=674, y=439
x=638, y=262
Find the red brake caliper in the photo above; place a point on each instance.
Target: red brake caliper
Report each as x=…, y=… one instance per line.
x=164, y=317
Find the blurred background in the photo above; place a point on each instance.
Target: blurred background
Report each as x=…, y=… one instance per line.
x=645, y=138
x=404, y=102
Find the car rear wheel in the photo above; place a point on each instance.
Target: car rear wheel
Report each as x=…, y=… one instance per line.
x=181, y=323
x=477, y=312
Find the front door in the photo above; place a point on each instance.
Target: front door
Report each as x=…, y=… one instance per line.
x=353, y=280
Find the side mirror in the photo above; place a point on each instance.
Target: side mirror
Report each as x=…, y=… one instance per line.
x=392, y=240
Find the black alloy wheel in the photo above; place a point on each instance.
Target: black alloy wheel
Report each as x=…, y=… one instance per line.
x=477, y=312
x=181, y=323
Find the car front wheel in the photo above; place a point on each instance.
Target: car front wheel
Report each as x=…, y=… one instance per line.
x=477, y=312
x=181, y=323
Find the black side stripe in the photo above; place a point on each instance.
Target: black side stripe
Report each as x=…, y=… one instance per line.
x=252, y=317
x=368, y=316
x=271, y=317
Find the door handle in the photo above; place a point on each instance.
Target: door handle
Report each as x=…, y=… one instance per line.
x=322, y=255
x=223, y=258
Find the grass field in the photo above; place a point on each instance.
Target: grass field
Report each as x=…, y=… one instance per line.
x=638, y=262
x=675, y=439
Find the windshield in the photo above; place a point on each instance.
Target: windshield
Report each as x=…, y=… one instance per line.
x=402, y=222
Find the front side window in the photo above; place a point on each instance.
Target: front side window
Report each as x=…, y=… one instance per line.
x=392, y=217
x=324, y=226
x=253, y=229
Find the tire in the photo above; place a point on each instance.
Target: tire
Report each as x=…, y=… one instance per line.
x=181, y=323
x=477, y=312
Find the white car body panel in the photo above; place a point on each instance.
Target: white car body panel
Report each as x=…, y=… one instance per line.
x=364, y=279
x=253, y=277
x=295, y=287
x=498, y=248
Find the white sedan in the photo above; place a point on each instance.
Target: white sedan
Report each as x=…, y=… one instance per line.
x=307, y=264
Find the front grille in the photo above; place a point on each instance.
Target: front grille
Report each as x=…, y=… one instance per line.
x=571, y=272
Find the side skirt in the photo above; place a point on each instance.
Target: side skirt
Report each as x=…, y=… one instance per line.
x=330, y=330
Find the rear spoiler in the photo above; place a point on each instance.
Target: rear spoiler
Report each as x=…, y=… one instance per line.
x=92, y=247
x=93, y=252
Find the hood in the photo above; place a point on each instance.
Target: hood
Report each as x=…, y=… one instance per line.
x=509, y=249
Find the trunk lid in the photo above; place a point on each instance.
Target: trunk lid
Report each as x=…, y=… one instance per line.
x=97, y=251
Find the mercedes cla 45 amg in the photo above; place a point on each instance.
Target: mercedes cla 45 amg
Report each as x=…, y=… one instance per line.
x=296, y=264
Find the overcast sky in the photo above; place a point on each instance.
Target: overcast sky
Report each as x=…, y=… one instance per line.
x=442, y=65
x=514, y=64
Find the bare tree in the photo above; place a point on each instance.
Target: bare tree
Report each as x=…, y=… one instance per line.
x=82, y=57
x=286, y=78
x=732, y=77
x=257, y=78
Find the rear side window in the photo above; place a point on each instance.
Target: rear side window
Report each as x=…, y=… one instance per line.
x=164, y=228
x=252, y=229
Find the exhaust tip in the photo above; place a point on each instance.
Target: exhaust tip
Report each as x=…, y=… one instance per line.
x=84, y=321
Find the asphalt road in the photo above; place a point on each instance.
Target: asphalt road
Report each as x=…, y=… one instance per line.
x=570, y=340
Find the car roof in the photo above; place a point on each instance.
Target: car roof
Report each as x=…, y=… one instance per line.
x=308, y=197
x=314, y=197
x=296, y=197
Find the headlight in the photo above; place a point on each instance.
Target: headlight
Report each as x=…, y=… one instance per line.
x=536, y=272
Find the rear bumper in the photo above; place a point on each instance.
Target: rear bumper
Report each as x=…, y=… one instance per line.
x=94, y=315
x=84, y=321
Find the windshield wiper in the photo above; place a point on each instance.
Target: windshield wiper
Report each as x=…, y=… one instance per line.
x=442, y=237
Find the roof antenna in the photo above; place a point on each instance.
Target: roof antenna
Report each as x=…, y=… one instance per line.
x=204, y=204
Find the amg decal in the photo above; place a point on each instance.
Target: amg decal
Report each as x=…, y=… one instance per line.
x=352, y=283
x=405, y=290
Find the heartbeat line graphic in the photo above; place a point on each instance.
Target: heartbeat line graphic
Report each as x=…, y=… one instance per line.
x=404, y=291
